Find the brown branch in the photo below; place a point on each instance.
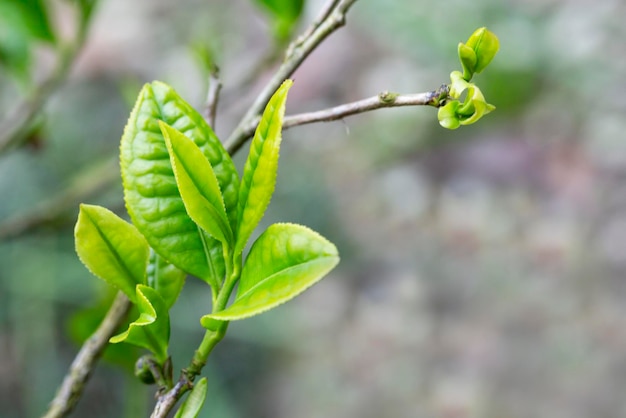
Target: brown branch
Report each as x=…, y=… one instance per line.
x=324, y=12
x=385, y=99
x=72, y=387
x=213, y=94
x=296, y=54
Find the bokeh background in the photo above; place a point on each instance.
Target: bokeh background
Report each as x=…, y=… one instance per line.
x=483, y=270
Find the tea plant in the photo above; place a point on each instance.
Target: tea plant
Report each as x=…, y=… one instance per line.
x=192, y=214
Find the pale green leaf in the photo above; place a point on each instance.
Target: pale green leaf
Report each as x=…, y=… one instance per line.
x=284, y=261
x=486, y=45
x=152, y=329
x=111, y=248
x=259, y=174
x=197, y=185
x=194, y=402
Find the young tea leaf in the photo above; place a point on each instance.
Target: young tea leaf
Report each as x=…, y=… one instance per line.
x=197, y=185
x=283, y=262
x=150, y=189
x=193, y=404
x=259, y=174
x=111, y=248
x=152, y=329
x=165, y=278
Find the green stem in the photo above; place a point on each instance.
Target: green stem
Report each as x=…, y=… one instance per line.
x=166, y=402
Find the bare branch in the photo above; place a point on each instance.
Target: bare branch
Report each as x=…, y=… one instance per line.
x=213, y=94
x=297, y=53
x=327, y=8
x=72, y=387
x=385, y=99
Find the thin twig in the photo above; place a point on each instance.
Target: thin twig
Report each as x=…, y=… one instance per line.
x=385, y=99
x=326, y=9
x=213, y=95
x=296, y=55
x=72, y=387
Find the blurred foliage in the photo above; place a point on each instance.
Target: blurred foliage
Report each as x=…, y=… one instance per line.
x=285, y=15
x=23, y=23
x=482, y=270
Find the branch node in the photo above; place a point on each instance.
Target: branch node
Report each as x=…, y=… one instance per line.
x=387, y=97
x=438, y=97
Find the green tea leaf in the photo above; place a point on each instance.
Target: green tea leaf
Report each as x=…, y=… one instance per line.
x=193, y=404
x=197, y=185
x=486, y=45
x=468, y=60
x=259, y=174
x=447, y=115
x=283, y=262
x=111, y=248
x=152, y=329
x=150, y=189
x=165, y=278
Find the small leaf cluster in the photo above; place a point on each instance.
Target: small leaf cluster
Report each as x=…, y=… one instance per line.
x=475, y=55
x=192, y=214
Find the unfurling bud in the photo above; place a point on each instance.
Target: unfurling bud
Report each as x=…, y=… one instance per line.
x=478, y=52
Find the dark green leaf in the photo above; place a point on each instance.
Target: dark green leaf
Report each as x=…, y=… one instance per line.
x=165, y=278
x=259, y=174
x=111, y=248
x=285, y=261
x=150, y=190
x=152, y=329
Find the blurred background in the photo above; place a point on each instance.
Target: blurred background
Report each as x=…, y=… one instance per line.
x=483, y=270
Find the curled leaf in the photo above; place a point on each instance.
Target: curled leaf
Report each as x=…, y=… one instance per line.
x=152, y=329
x=447, y=115
x=474, y=107
x=457, y=84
